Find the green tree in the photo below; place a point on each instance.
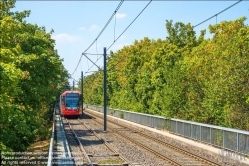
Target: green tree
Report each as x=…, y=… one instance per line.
x=185, y=77
x=31, y=75
x=218, y=72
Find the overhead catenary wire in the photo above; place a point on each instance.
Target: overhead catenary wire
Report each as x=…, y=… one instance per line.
x=119, y=5
x=94, y=64
x=194, y=27
x=122, y=34
x=127, y=81
x=74, y=79
x=129, y=25
x=115, y=25
x=93, y=54
x=143, y=10
x=123, y=31
x=80, y=66
x=91, y=61
x=218, y=13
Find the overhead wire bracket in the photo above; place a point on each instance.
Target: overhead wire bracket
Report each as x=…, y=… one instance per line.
x=91, y=61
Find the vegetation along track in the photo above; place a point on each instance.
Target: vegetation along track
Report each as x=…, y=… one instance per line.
x=96, y=149
x=161, y=148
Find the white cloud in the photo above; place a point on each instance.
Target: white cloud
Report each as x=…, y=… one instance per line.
x=65, y=38
x=82, y=28
x=94, y=27
x=119, y=15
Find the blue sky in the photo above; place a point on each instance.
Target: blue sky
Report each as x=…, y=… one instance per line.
x=76, y=24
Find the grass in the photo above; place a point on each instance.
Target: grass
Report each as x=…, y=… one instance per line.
x=55, y=143
x=38, y=153
x=121, y=115
x=109, y=161
x=112, y=112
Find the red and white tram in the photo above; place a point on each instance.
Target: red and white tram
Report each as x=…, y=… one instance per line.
x=70, y=103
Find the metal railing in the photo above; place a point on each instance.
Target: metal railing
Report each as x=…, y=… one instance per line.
x=226, y=138
x=51, y=147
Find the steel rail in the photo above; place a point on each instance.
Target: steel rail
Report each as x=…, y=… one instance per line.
x=190, y=154
x=199, y=158
x=159, y=154
x=80, y=145
x=107, y=145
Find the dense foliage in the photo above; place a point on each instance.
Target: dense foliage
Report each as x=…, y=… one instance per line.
x=31, y=75
x=197, y=79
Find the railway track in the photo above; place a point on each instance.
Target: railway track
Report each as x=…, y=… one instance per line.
x=155, y=152
x=74, y=148
x=173, y=159
x=95, y=149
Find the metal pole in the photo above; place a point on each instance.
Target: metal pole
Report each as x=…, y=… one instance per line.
x=73, y=85
x=104, y=88
x=82, y=91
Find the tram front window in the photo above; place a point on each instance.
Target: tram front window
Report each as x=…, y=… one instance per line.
x=72, y=101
